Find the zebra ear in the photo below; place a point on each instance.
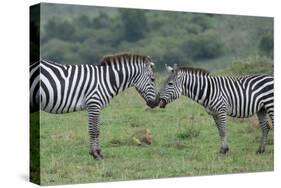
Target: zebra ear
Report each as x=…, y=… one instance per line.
x=169, y=69
x=152, y=65
x=175, y=67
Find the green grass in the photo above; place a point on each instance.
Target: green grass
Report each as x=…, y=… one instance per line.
x=249, y=65
x=185, y=143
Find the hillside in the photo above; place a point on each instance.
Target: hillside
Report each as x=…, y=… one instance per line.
x=83, y=34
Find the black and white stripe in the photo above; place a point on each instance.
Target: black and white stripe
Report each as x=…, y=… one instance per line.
x=239, y=97
x=58, y=88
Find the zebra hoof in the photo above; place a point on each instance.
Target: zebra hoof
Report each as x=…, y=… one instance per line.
x=224, y=150
x=96, y=153
x=260, y=151
x=98, y=158
x=162, y=103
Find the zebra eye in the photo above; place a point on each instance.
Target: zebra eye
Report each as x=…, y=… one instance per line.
x=152, y=79
x=170, y=83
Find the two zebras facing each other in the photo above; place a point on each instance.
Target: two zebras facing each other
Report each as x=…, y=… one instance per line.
x=223, y=96
x=57, y=88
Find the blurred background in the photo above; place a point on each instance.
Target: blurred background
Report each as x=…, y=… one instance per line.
x=72, y=34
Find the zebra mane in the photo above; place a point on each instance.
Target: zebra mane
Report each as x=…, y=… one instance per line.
x=108, y=59
x=193, y=70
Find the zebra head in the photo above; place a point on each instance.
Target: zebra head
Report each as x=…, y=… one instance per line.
x=172, y=88
x=145, y=84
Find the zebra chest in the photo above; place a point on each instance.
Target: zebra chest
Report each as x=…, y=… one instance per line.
x=81, y=105
x=216, y=107
x=210, y=111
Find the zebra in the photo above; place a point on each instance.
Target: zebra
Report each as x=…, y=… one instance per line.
x=239, y=97
x=57, y=88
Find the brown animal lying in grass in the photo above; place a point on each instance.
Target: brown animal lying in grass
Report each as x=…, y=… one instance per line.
x=142, y=136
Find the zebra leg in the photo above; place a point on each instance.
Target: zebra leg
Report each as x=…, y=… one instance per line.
x=271, y=115
x=93, y=129
x=272, y=119
x=263, y=120
x=220, y=121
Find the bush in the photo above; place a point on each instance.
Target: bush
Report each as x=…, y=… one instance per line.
x=176, y=56
x=91, y=52
x=202, y=20
x=63, y=30
x=266, y=45
x=134, y=23
x=250, y=65
x=102, y=21
x=205, y=45
x=194, y=28
x=190, y=132
x=61, y=51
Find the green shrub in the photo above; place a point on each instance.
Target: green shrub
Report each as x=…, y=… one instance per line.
x=176, y=56
x=250, y=65
x=61, y=51
x=205, y=45
x=134, y=23
x=202, y=21
x=64, y=30
x=266, y=45
x=190, y=132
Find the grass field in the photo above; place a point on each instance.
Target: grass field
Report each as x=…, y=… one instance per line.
x=185, y=143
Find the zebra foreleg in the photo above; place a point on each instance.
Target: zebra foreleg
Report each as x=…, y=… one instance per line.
x=95, y=150
x=220, y=121
x=263, y=120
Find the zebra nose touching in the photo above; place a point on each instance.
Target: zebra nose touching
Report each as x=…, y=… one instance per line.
x=153, y=104
x=162, y=103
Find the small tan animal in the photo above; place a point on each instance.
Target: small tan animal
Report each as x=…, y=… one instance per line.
x=142, y=136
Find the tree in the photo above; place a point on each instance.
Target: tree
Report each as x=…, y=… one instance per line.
x=63, y=30
x=205, y=45
x=266, y=45
x=102, y=21
x=134, y=23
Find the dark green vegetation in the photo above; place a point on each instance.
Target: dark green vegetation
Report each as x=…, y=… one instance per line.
x=185, y=139
x=82, y=34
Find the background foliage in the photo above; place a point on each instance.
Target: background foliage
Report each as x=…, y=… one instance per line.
x=83, y=34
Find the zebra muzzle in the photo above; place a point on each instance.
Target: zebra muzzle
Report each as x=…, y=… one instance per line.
x=162, y=103
x=152, y=104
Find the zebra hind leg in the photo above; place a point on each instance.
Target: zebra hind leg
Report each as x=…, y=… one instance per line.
x=263, y=121
x=95, y=150
x=220, y=121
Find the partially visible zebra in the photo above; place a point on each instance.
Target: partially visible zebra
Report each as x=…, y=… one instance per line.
x=239, y=97
x=58, y=88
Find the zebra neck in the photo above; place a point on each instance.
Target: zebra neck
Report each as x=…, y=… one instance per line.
x=118, y=77
x=196, y=88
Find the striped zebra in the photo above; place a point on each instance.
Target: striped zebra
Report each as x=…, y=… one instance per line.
x=57, y=88
x=239, y=97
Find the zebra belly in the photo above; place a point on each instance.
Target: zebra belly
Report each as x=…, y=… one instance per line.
x=242, y=112
x=241, y=115
x=59, y=104
x=78, y=107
